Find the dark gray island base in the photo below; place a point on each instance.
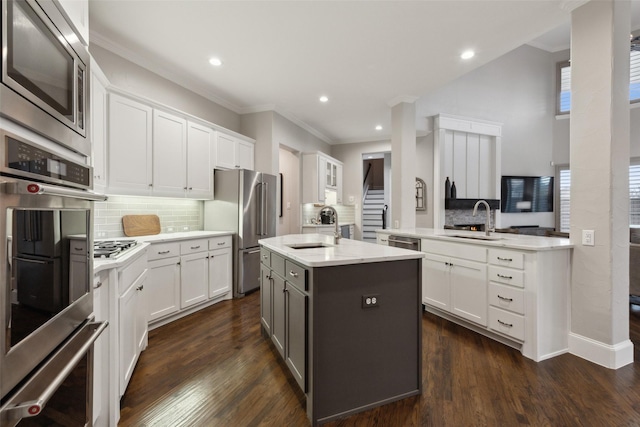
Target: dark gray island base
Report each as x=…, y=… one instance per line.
x=350, y=334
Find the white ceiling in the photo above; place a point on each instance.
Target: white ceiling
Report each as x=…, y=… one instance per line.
x=282, y=55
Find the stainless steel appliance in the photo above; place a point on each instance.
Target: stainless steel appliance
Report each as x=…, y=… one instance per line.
x=46, y=299
x=405, y=242
x=45, y=72
x=113, y=248
x=245, y=202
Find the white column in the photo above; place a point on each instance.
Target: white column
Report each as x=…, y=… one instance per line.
x=599, y=142
x=403, y=163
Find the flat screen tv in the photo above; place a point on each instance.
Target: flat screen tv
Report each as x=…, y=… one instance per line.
x=526, y=194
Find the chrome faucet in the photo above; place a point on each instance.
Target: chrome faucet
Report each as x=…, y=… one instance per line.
x=487, y=221
x=336, y=232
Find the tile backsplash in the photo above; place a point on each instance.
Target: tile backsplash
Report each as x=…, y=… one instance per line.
x=175, y=214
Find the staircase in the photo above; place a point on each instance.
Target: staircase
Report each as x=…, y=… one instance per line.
x=372, y=214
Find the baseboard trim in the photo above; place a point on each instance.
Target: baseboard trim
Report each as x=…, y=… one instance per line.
x=610, y=356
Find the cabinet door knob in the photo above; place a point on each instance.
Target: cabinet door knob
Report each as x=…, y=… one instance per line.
x=97, y=285
x=293, y=273
x=139, y=288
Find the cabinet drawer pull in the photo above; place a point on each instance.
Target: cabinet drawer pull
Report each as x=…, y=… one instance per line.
x=78, y=249
x=504, y=299
x=508, y=325
x=195, y=247
x=293, y=273
x=503, y=277
x=265, y=256
x=97, y=285
x=505, y=259
x=222, y=243
x=139, y=288
x=163, y=252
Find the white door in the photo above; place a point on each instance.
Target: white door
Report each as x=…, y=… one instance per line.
x=127, y=336
x=194, y=279
x=169, y=154
x=226, y=152
x=219, y=272
x=199, y=167
x=164, y=286
x=469, y=290
x=435, y=281
x=130, y=145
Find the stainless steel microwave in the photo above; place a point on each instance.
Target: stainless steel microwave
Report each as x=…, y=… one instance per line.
x=45, y=72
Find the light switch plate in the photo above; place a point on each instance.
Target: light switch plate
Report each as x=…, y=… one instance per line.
x=588, y=237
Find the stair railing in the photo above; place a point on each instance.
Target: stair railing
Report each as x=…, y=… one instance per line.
x=365, y=184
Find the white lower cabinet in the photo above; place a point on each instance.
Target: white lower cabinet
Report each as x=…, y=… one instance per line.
x=187, y=275
x=456, y=285
x=519, y=297
x=132, y=326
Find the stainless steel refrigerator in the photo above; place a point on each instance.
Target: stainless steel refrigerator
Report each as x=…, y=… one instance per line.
x=245, y=203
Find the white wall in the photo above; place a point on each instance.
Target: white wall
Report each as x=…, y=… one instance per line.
x=289, y=223
x=139, y=81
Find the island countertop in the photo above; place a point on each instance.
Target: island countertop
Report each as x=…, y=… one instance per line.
x=504, y=240
x=346, y=252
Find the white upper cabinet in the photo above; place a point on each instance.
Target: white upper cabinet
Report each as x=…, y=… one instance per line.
x=321, y=173
x=169, y=154
x=77, y=12
x=233, y=153
x=200, y=144
x=98, y=128
x=130, y=146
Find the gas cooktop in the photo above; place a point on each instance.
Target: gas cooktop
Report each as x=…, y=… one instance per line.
x=112, y=248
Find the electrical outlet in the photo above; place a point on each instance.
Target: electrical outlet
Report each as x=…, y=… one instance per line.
x=169, y=229
x=588, y=237
x=185, y=228
x=369, y=301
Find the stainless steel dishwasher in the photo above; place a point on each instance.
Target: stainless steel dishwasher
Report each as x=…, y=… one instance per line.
x=412, y=243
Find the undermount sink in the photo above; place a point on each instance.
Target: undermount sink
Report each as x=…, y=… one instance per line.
x=479, y=237
x=309, y=245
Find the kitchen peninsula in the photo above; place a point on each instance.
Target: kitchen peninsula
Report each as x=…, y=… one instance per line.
x=510, y=287
x=345, y=318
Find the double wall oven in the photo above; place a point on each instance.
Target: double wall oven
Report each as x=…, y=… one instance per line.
x=46, y=299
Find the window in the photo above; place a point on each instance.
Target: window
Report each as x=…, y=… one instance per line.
x=564, y=191
x=564, y=83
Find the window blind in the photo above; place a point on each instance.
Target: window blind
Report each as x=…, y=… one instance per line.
x=564, y=83
x=565, y=192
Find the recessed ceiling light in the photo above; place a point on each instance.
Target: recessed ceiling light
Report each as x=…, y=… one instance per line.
x=378, y=127
x=324, y=98
x=467, y=54
x=216, y=62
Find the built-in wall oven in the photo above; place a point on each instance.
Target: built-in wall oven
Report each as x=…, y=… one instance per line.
x=46, y=299
x=44, y=72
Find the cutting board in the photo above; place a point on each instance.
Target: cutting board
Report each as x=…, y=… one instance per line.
x=140, y=225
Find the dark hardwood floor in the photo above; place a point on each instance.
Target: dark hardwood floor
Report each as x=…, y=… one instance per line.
x=214, y=368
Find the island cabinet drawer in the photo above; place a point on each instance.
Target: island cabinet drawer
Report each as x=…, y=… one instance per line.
x=265, y=257
x=506, y=275
x=457, y=250
x=164, y=250
x=504, y=258
x=193, y=246
x=506, y=323
x=296, y=275
x=506, y=297
x=221, y=242
x=277, y=264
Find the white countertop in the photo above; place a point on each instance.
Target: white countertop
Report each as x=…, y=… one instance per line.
x=107, y=263
x=340, y=224
x=506, y=240
x=184, y=235
x=346, y=252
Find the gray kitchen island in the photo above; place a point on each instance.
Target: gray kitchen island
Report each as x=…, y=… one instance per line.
x=345, y=318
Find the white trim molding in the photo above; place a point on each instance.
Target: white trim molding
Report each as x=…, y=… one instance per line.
x=607, y=355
